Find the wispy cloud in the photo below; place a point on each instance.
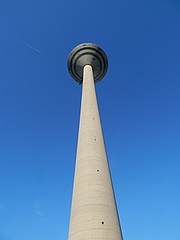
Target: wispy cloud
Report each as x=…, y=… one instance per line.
x=2, y=208
x=38, y=209
x=27, y=44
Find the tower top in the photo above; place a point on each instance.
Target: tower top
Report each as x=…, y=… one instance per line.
x=87, y=54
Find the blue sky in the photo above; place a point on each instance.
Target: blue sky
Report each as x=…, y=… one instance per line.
x=139, y=102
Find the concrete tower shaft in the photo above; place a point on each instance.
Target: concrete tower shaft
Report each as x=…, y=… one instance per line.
x=93, y=211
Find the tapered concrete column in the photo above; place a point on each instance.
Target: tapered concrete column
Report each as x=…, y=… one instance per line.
x=93, y=212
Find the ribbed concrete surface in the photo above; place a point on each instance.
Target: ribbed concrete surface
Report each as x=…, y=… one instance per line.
x=93, y=211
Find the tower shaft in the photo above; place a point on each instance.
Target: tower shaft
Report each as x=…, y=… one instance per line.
x=93, y=211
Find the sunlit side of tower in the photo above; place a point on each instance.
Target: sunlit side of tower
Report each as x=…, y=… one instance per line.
x=93, y=212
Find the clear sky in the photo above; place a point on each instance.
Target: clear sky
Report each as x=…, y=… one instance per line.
x=139, y=101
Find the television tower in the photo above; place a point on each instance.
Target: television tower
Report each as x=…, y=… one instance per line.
x=94, y=213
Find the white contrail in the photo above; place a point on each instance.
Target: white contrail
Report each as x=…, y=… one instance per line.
x=28, y=45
